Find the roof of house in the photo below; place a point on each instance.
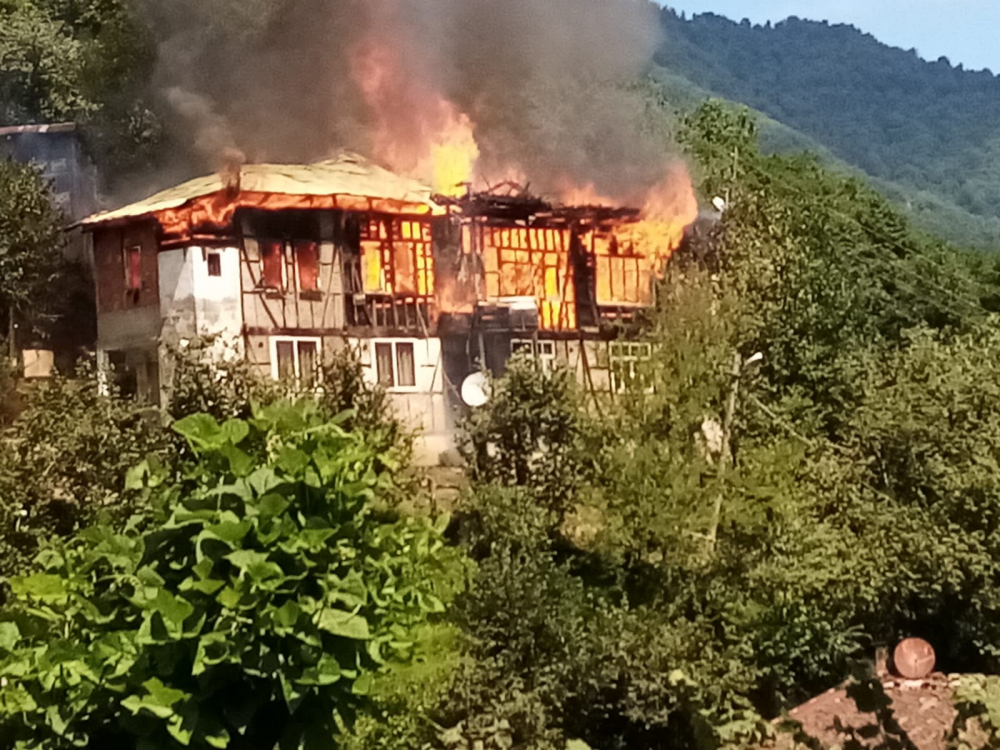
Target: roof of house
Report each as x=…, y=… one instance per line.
x=925, y=710
x=55, y=127
x=347, y=175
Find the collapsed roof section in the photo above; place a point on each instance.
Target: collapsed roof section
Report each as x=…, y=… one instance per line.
x=206, y=205
x=518, y=206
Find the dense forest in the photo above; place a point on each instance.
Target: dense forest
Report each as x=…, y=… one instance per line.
x=927, y=131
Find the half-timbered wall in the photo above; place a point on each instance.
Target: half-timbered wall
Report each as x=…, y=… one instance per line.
x=390, y=266
x=292, y=280
x=531, y=262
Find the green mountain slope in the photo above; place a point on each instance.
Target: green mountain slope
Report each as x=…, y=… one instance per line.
x=926, y=133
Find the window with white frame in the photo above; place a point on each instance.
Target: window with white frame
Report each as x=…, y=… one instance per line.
x=395, y=364
x=543, y=352
x=626, y=359
x=295, y=360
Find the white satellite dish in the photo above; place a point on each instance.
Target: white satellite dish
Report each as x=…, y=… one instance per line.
x=476, y=390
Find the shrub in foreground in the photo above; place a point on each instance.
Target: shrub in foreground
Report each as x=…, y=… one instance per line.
x=250, y=609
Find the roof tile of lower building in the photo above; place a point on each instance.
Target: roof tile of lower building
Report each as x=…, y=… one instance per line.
x=925, y=710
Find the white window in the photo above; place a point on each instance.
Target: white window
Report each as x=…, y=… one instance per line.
x=543, y=352
x=395, y=364
x=296, y=360
x=626, y=359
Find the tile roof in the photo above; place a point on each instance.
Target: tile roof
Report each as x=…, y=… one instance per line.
x=925, y=710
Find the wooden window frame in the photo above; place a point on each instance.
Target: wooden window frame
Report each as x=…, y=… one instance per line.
x=543, y=351
x=133, y=276
x=395, y=344
x=214, y=257
x=281, y=245
x=295, y=341
x=628, y=354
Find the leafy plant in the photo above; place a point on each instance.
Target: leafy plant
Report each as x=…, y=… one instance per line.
x=252, y=607
x=63, y=463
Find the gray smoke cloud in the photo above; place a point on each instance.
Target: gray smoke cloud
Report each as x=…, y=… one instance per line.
x=546, y=82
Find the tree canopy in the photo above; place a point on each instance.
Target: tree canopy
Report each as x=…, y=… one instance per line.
x=927, y=130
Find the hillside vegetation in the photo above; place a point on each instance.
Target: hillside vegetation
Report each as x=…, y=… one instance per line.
x=926, y=132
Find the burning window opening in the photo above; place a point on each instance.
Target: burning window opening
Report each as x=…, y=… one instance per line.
x=132, y=264
x=398, y=257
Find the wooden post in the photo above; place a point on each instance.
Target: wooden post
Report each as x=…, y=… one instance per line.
x=11, y=335
x=726, y=456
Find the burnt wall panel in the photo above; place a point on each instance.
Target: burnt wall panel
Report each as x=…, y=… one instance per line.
x=310, y=294
x=111, y=254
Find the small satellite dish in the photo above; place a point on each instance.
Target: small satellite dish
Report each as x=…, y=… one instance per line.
x=720, y=204
x=914, y=659
x=476, y=390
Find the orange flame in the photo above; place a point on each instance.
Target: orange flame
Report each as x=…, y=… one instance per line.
x=582, y=195
x=415, y=129
x=670, y=208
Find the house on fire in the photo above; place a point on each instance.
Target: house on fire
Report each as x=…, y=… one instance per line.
x=293, y=262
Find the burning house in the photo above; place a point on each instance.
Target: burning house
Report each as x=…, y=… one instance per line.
x=291, y=263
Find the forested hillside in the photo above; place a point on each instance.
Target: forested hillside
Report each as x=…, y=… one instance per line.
x=927, y=132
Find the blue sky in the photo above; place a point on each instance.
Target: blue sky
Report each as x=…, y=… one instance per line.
x=965, y=31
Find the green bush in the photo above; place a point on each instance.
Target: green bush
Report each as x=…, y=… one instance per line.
x=251, y=607
x=529, y=434
x=63, y=463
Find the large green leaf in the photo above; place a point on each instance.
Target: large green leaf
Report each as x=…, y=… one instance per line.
x=345, y=624
x=158, y=700
x=9, y=635
x=42, y=586
x=201, y=430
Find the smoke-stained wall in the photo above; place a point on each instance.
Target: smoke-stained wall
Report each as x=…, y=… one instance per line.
x=547, y=84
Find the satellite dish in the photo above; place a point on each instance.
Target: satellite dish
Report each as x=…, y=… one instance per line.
x=914, y=659
x=476, y=390
x=720, y=204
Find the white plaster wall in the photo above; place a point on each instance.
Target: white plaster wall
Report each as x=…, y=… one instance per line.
x=424, y=407
x=218, y=299
x=177, y=309
x=192, y=303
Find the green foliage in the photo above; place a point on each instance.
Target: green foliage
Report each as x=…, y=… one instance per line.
x=252, y=607
x=39, y=74
x=63, y=462
x=859, y=507
x=211, y=378
x=529, y=435
x=31, y=240
x=977, y=698
x=89, y=61
x=925, y=130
